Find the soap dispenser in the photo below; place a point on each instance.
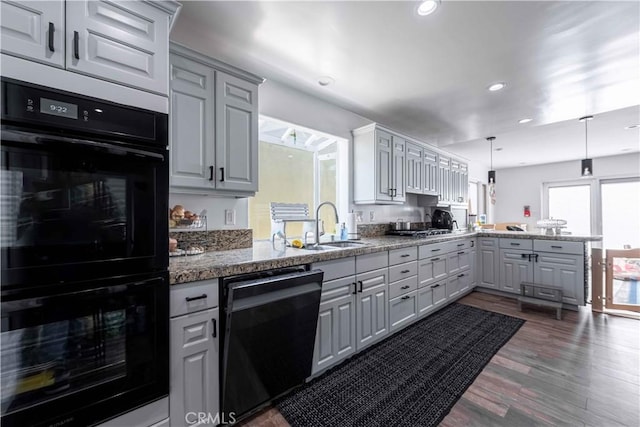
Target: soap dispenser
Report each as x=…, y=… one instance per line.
x=343, y=231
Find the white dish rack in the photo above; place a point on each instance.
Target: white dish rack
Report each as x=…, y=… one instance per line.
x=552, y=226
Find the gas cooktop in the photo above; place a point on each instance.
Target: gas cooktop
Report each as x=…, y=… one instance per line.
x=419, y=233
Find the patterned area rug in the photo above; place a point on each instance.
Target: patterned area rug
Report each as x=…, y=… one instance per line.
x=411, y=379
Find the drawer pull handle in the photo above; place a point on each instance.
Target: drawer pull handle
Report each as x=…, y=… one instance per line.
x=515, y=244
x=404, y=255
x=405, y=271
x=435, y=286
x=76, y=45
x=461, y=253
x=52, y=29
x=460, y=244
x=405, y=297
x=460, y=275
x=214, y=333
x=556, y=247
x=189, y=299
x=435, y=250
x=405, y=287
x=435, y=259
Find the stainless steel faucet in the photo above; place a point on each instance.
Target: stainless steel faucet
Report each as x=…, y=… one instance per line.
x=335, y=210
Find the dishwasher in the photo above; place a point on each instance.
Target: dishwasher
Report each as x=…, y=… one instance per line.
x=269, y=326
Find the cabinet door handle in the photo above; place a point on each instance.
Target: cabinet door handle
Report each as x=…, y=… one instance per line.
x=52, y=29
x=405, y=297
x=221, y=174
x=514, y=244
x=210, y=173
x=214, y=333
x=360, y=283
x=556, y=247
x=76, y=45
x=189, y=299
x=405, y=287
x=535, y=257
x=355, y=288
x=404, y=255
x=405, y=271
x=526, y=256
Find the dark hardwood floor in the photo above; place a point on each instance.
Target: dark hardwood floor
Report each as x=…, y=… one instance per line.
x=583, y=370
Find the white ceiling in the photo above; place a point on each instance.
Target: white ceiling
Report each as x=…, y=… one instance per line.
x=427, y=76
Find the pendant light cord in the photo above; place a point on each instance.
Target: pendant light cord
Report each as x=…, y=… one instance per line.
x=586, y=153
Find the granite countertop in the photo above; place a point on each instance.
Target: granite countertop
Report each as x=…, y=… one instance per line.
x=264, y=256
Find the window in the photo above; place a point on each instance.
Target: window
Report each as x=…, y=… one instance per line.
x=620, y=213
x=298, y=165
x=572, y=202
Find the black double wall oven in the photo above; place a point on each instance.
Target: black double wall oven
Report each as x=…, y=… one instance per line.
x=83, y=239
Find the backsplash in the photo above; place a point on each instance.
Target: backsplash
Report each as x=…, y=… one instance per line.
x=375, y=230
x=214, y=240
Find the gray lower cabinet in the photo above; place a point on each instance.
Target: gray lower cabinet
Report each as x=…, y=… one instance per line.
x=403, y=310
x=515, y=268
x=488, y=262
x=562, y=270
x=194, y=351
x=336, y=330
x=372, y=301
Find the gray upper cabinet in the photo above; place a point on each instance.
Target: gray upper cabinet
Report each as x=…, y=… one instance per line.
x=415, y=169
x=33, y=30
x=214, y=125
x=380, y=155
x=192, y=103
x=124, y=42
x=236, y=133
x=444, y=178
x=430, y=164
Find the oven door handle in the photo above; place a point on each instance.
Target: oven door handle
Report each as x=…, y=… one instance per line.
x=32, y=138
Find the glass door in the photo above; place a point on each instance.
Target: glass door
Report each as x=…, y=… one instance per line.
x=623, y=279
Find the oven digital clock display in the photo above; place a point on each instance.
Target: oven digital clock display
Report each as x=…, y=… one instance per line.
x=58, y=108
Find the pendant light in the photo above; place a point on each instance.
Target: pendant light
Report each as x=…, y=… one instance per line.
x=492, y=173
x=586, y=166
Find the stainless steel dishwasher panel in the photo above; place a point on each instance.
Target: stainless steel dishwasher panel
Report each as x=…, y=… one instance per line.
x=270, y=328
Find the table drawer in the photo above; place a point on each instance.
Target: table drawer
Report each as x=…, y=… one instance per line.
x=576, y=248
x=398, y=256
x=523, y=244
x=402, y=271
x=547, y=293
x=193, y=297
x=403, y=286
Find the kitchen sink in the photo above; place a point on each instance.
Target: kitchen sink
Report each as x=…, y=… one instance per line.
x=344, y=244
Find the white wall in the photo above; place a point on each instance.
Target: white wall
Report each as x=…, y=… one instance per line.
x=516, y=187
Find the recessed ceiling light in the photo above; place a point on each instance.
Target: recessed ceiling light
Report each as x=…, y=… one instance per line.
x=428, y=7
x=637, y=125
x=325, y=80
x=497, y=86
x=523, y=121
x=498, y=149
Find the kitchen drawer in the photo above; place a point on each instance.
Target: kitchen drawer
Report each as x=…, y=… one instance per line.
x=576, y=248
x=428, y=251
x=372, y=261
x=337, y=288
x=403, y=310
x=488, y=242
x=523, y=244
x=402, y=271
x=401, y=287
x=336, y=268
x=397, y=256
x=458, y=245
x=193, y=297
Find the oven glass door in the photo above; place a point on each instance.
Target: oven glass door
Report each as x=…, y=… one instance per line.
x=69, y=202
x=64, y=352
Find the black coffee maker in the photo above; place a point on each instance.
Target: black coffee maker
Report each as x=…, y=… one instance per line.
x=442, y=219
